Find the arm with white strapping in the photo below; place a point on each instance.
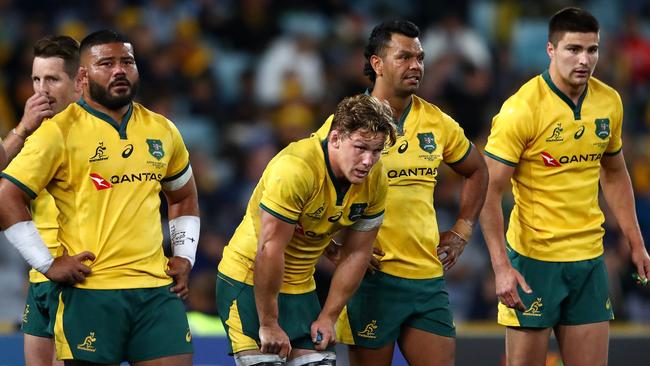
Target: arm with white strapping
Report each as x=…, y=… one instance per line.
x=184, y=228
x=21, y=232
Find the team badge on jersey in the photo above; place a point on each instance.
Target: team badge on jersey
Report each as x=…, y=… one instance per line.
x=356, y=211
x=156, y=148
x=602, y=127
x=427, y=141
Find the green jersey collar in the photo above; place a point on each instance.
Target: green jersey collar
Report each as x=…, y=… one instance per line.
x=575, y=108
x=341, y=189
x=121, y=128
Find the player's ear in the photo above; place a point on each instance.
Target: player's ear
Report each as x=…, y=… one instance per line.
x=377, y=64
x=334, y=138
x=550, y=49
x=78, y=86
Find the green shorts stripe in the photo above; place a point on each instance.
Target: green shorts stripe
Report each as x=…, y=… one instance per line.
x=376, y=313
x=111, y=326
x=238, y=313
x=566, y=293
x=36, y=317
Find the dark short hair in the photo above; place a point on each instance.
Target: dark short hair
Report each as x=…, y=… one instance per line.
x=364, y=112
x=380, y=37
x=571, y=20
x=60, y=46
x=100, y=37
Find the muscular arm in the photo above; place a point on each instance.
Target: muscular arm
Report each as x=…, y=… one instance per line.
x=15, y=203
x=472, y=196
x=182, y=205
x=492, y=225
x=355, y=253
x=3, y=156
x=617, y=189
x=474, y=187
x=275, y=235
x=14, y=210
x=183, y=201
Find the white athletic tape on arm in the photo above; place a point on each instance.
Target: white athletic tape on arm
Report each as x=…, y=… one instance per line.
x=312, y=358
x=184, y=232
x=24, y=236
x=179, y=182
x=252, y=360
x=368, y=224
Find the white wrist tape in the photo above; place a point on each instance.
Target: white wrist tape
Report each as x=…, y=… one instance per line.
x=24, y=236
x=184, y=234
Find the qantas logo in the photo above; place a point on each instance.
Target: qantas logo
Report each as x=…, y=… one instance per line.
x=549, y=160
x=99, y=182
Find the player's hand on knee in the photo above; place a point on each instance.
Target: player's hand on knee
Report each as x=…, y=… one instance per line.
x=179, y=269
x=274, y=340
x=70, y=269
x=323, y=333
x=507, y=280
x=450, y=248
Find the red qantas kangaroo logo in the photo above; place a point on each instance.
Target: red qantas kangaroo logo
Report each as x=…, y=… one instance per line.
x=99, y=182
x=549, y=160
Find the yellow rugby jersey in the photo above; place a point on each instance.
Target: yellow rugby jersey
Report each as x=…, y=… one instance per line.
x=409, y=234
x=44, y=214
x=105, y=179
x=298, y=187
x=556, y=147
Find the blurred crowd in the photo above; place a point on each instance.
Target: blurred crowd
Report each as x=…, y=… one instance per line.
x=243, y=78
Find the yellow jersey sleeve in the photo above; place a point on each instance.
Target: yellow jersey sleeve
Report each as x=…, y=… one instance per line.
x=510, y=133
x=39, y=160
x=287, y=186
x=615, y=140
x=457, y=146
x=180, y=158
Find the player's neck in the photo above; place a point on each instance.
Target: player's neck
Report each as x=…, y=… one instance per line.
x=398, y=103
x=573, y=92
x=116, y=114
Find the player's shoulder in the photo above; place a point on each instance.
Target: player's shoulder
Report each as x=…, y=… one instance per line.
x=64, y=120
x=142, y=112
x=525, y=100
x=601, y=90
x=425, y=107
x=304, y=153
x=429, y=113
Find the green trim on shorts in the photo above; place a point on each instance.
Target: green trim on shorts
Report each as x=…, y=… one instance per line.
x=111, y=326
x=565, y=293
x=296, y=312
x=36, y=316
x=377, y=311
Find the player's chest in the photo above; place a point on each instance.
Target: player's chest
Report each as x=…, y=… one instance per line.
x=330, y=210
x=565, y=141
x=415, y=156
x=101, y=153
